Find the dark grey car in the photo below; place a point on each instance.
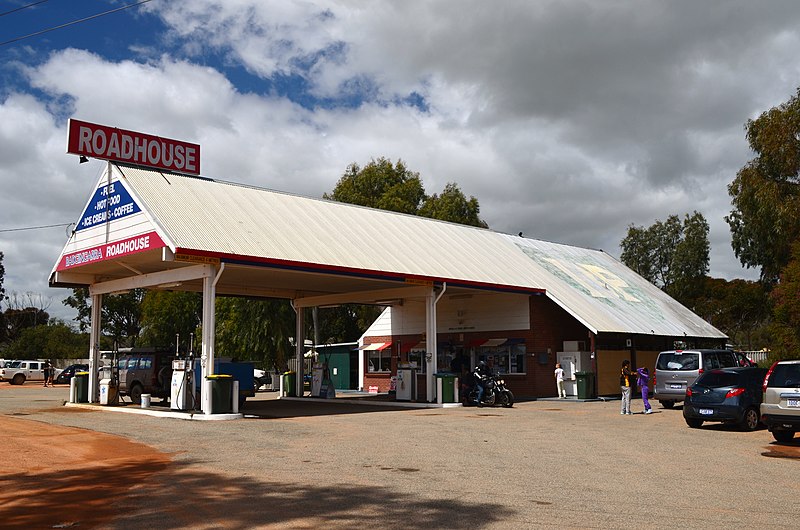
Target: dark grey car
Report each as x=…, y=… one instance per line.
x=729, y=395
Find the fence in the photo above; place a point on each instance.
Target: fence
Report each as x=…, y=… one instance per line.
x=757, y=356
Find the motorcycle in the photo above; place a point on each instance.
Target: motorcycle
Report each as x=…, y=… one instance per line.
x=494, y=393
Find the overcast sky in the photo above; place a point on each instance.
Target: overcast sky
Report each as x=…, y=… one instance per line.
x=567, y=120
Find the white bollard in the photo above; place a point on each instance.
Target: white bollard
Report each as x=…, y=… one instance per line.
x=235, y=397
x=73, y=391
x=439, y=390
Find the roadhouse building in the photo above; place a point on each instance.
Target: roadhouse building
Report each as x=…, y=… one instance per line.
x=457, y=294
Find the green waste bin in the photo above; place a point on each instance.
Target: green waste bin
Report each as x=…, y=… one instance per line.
x=585, y=382
x=448, y=386
x=290, y=384
x=221, y=393
x=82, y=387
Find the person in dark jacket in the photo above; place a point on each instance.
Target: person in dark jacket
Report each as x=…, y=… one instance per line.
x=625, y=383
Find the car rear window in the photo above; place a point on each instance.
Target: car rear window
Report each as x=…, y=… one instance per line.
x=678, y=361
x=719, y=379
x=785, y=375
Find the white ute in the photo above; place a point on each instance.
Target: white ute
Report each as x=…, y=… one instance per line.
x=17, y=372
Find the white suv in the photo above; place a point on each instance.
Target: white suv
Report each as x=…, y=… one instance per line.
x=780, y=408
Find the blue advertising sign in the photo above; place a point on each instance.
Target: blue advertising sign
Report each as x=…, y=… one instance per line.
x=110, y=202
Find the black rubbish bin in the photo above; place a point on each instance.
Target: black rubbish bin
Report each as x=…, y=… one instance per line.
x=82, y=387
x=585, y=383
x=221, y=393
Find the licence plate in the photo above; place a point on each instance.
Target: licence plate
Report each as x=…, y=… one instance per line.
x=793, y=402
x=706, y=412
x=675, y=386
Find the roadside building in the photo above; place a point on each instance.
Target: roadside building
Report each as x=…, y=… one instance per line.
x=456, y=293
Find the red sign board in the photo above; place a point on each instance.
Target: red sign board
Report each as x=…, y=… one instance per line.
x=111, y=250
x=119, y=145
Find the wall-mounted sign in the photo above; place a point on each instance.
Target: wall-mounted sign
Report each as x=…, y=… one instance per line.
x=119, y=145
x=109, y=202
x=115, y=249
x=191, y=258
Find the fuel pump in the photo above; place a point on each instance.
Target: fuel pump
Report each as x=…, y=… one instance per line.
x=182, y=388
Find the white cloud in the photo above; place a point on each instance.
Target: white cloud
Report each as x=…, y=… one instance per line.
x=567, y=120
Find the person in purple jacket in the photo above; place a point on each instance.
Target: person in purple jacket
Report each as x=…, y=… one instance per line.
x=643, y=382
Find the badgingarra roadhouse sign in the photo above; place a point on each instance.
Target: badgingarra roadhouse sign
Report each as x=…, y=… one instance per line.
x=129, y=147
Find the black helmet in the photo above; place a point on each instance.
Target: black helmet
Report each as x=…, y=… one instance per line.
x=482, y=365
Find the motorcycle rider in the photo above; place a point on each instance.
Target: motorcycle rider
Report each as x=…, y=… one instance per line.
x=481, y=374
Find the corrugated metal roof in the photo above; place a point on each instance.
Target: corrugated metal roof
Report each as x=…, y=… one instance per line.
x=241, y=221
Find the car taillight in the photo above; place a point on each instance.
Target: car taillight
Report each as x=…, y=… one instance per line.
x=654, y=379
x=734, y=392
x=700, y=371
x=688, y=392
x=766, y=377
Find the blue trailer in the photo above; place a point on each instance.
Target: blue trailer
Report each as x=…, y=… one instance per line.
x=241, y=371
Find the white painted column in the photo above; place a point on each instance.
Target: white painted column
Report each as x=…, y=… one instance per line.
x=430, y=346
x=432, y=355
x=94, y=347
x=361, y=369
x=300, y=340
x=207, y=350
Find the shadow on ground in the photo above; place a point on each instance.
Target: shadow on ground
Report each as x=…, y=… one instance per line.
x=177, y=495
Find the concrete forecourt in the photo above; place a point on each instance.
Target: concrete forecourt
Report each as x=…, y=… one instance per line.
x=288, y=464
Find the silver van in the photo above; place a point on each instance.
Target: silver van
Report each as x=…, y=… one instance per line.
x=676, y=370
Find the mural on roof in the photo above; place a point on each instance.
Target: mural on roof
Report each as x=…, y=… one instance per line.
x=583, y=272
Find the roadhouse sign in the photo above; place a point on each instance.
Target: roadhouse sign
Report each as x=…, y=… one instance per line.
x=119, y=145
x=115, y=249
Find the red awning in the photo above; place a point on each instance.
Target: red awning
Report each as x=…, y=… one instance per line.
x=376, y=346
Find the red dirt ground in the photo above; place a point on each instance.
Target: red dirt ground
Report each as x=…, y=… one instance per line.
x=56, y=480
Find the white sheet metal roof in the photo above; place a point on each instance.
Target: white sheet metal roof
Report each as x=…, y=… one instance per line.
x=257, y=225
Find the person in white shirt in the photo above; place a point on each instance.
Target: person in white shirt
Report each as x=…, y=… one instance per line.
x=559, y=373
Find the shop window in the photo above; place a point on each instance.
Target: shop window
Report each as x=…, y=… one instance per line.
x=509, y=359
x=380, y=360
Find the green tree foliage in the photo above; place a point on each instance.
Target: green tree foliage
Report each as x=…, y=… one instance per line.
x=120, y=316
x=739, y=308
x=382, y=185
x=452, y=205
x=786, y=297
x=18, y=320
x=672, y=255
x=256, y=330
x=765, y=219
x=170, y=315
x=345, y=323
x=52, y=341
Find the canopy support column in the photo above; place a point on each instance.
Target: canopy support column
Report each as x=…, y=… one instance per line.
x=300, y=341
x=209, y=333
x=431, y=347
x=94, y=347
